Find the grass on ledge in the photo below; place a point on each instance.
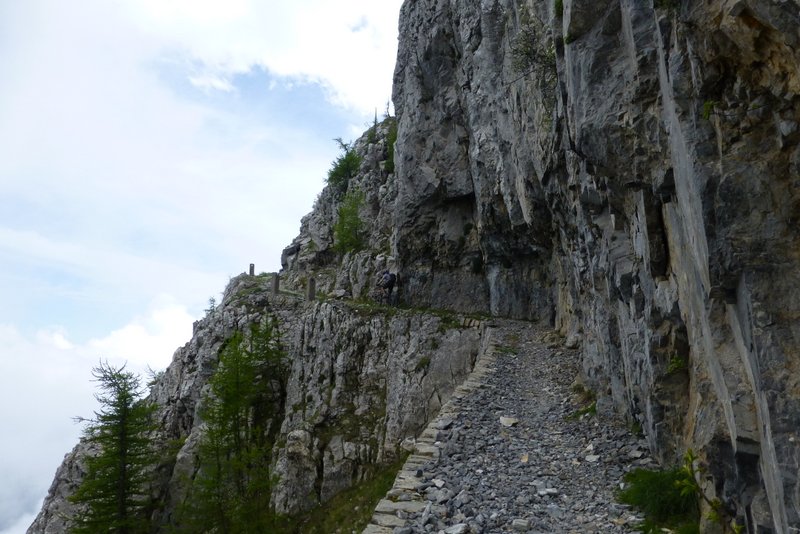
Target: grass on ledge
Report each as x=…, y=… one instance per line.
x=349, y=510
x=590, y=410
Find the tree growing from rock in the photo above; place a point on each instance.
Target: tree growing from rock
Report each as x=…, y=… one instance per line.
x=344, y=168
x=115, y=490
x=349, y=229
x=231, y=491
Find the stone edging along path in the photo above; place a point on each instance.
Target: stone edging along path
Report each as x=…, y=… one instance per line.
x=403, y=496
x=506, y=453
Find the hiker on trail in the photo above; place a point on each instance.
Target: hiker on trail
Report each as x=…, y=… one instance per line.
x=387, y=283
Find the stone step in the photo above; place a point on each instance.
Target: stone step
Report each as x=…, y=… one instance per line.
x=387, y=520
x=386, y=506
x=377, y=529
x=414, y=461
x=424, y=449
x=406, y=484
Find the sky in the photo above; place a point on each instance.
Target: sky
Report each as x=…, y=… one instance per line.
x=149, y=151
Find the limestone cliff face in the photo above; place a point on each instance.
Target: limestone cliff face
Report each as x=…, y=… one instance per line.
x=361, y=382
x=644, y=186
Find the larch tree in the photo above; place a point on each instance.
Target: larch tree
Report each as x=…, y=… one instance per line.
x=241, y=414
x=115, y=490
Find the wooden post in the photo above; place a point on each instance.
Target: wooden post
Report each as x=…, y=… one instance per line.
x=276, y=284
x=252, y=269
x=311, y=289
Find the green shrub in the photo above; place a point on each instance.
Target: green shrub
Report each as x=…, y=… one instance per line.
x=663, y=498
x=345, y=167
x=677, y=364
x=348, y=232
x=590, y=410
x=708, y=108
x=212, y=305
x=587, y=399
x=531, y=51
x=423, y=364
x=558, y=8
x=349, y=510
x=448, y=321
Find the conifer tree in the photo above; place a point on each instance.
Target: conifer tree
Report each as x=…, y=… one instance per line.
x=348, y=231
x=231, y=492
x=114, y=491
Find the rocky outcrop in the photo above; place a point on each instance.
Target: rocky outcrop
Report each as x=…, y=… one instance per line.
x=361, y=382
x=312, y=253
x=366, y=382
x=472, y=228
x=651, y=199
x=57, y=507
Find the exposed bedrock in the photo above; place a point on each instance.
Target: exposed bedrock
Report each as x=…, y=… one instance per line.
x=641, y=189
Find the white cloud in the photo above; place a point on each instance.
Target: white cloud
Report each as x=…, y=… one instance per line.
x=20, y=526
x=149, y=340
x=54, y=338
x=212, y=82
x=348, y=46
x=109, y=280
x=41, y=388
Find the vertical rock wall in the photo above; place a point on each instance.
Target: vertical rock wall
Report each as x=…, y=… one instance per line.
x=471, y=226
x=363, y=383
x=652, y=203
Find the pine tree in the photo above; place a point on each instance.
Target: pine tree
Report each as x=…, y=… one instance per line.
x=115, y=488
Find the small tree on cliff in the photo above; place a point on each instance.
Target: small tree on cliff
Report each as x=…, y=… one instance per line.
x=231, y=492
x=348, y=231
x=345, y=167
x=115, y=488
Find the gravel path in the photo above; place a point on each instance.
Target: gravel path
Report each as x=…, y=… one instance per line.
x=508, y=454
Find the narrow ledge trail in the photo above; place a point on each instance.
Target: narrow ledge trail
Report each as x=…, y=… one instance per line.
x=511, y=451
